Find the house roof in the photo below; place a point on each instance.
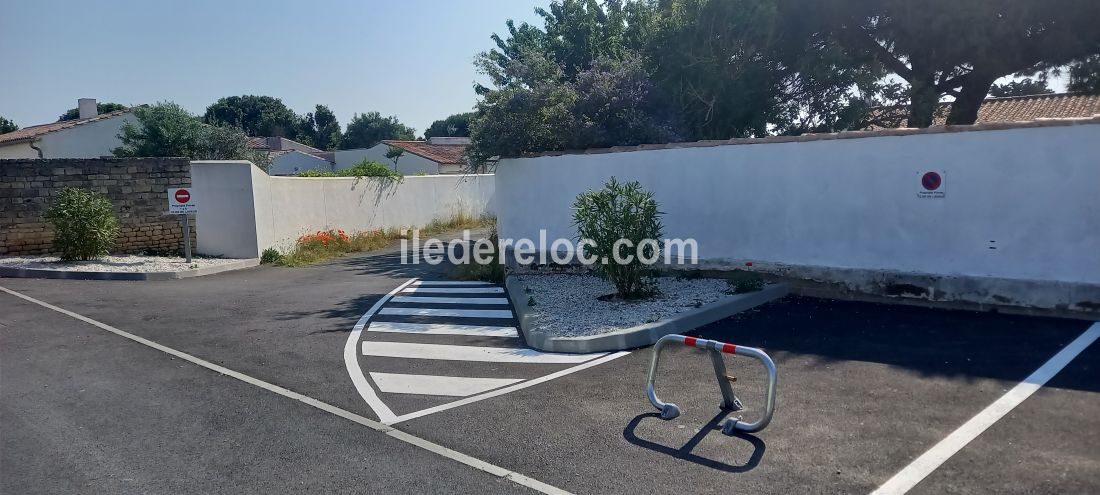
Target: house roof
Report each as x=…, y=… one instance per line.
x=34, y=131
x=1007, y=109
x=446, y=154
x=279, y=144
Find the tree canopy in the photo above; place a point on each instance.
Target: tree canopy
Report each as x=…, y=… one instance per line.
x=954, y=47
x=255, y=115
x=74, y=113
x=457, y=125
x=7, y=126
x=1084, y=75
x=320, y=129
x=167, y=129
x=1023, y=87
x=368, y=129
x=716, y=69
x=619, y=73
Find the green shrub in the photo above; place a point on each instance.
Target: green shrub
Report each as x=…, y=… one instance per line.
x=490, y=272
x=743, y=282
x=365, y=168
x=84, y=222
x=620, y=211
x=270, y=255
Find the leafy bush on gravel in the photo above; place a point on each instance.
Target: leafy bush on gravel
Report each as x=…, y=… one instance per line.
x=270, y=255
x=84, y=222
x=620, y=211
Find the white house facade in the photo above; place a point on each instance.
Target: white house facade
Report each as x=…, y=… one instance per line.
x=90, y=136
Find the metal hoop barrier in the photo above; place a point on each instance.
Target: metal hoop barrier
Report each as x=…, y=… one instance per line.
x=729, y=400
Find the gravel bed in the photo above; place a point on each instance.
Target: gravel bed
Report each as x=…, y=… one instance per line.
x=121, y=263
x=566, y=305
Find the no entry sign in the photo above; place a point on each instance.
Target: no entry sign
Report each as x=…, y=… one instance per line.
x=181, y=202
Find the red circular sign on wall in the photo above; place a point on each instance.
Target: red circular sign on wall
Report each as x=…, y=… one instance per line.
x=931, y=181
x=183, y=196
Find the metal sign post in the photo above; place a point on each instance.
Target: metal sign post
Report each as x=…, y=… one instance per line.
x=181, y=202
x=187, y=237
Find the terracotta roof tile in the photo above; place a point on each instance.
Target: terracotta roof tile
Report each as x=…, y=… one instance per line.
x=1007, y=109
x=447, y=154
x=34, y=131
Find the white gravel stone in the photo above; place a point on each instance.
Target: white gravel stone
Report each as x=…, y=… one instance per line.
x=566, y=305
x=120, y=263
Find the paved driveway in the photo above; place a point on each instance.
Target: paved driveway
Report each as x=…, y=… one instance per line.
x=864, y=390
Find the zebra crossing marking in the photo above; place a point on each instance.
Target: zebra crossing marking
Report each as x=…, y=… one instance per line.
x=451, y=283
x=447, y=352
x=453, y=290
x=467, y=389
x=455, y=313
x=442, y=329
x=450, y=300
x=453, y=386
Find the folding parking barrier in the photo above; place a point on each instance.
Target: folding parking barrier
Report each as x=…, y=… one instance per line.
x=729, y=400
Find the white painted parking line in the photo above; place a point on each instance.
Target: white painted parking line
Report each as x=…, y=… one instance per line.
x=512, y=388
x=310, y=401
x=442, y=329
x=449, y=300
x=469, y=353
x=454, y=290
x=457, y=313
x=453, y=386
x=450, y=283
x=920, y=468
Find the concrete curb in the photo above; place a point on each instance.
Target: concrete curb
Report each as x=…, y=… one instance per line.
x=7, y=272
x=638, y=336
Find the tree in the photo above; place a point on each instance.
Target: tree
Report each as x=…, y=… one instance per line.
x=457, y=125
x=394, y=154
x=612, y=103
x=1023, y=87
x=368, y=129
x=953, y=47
x=621, y=73
x=167, y=129
x=1084, y=75
x=7, y=126
x=101, y=108
x=256, y=115
x=320, y=129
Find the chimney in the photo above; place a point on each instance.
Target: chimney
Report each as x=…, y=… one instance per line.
x=87, y=108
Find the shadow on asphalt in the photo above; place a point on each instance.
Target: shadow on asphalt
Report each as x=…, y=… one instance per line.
x=947, y=343
x=685, y=452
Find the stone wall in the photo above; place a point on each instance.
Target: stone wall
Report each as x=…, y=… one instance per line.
x=137, y=188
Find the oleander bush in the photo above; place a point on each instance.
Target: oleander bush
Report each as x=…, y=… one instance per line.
x=620, y=211
x=84, y=222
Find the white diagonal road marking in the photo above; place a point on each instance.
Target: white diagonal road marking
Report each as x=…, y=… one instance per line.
x=310, y=401
x=916, y=471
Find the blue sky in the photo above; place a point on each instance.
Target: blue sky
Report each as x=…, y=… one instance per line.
x=412, y=59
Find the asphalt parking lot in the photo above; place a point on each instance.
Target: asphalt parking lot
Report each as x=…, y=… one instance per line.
x=864, y=389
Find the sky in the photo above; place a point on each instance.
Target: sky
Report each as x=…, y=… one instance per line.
x=409, y=58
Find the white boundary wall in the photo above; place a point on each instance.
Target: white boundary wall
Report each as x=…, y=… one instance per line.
x=1032, y=193
x=243, y=211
